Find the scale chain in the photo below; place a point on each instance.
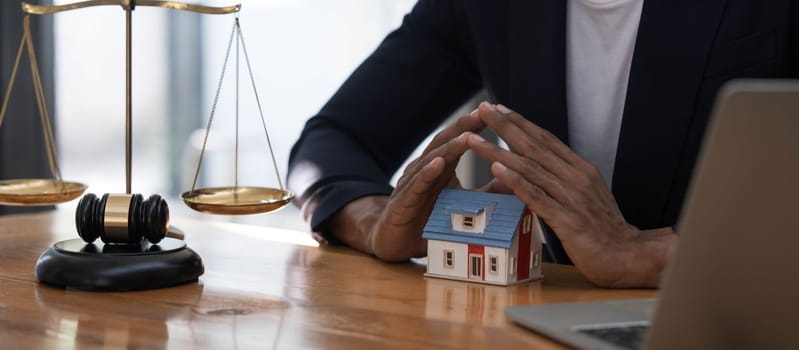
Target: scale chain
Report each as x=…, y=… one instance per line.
x=41, y=104
x=213, y=109
x=236, y=152
x=13, y=78
x=49, y=138
x=239, y=40
x=260, y=110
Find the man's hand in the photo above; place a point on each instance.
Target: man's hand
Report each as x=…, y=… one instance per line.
x=391, y=227
x=570, y=195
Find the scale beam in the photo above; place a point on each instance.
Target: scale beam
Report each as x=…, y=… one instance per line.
x=127, y=5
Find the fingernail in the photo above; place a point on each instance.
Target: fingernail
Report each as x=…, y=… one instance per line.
x=490, y=107
x=499, y=166
x=503, y=109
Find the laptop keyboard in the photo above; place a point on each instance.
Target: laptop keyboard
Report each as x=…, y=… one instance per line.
x=630, y=336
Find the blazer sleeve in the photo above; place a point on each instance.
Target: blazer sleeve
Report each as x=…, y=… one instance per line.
x=415, y=79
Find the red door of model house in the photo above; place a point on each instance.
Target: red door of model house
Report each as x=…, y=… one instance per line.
x=476, y=265
x=525, y=232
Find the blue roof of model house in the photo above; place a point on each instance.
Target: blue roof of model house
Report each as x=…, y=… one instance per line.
x=503, y=215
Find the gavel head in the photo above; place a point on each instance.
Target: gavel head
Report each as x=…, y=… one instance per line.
x=122, y=218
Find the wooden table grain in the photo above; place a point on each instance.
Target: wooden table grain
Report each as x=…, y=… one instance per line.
x=268, y=288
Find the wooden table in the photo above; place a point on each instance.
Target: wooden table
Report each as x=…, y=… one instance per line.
x=267, y=288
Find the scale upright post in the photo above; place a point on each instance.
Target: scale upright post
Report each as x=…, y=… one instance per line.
x=131, y=5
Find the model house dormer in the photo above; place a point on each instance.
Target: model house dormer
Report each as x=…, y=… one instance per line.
x=471, y=217
x=482, y=237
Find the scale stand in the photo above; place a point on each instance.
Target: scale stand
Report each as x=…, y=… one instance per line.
x=134, y=254
x=75, y=264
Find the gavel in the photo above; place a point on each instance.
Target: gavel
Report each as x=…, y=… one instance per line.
x=122, y=218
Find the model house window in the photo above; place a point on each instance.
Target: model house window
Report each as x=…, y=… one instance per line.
x=476, y=268
x=472, y=222
x=448, y=259
x=468, y=221
x=493, y=263
x=527, y=224
x=536, y=259
x=513, y=265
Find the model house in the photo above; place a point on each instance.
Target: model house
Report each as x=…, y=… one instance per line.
x=483, y=237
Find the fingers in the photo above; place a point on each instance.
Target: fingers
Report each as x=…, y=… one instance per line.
x=495, y=186
x=450, y=152
x=569, y=166
x=528, y=169
x=541, y=136
x=422, y=182
x=528, y=139
x=419, y=191
x=531, y=194
x=470, y=122
x=397, y=235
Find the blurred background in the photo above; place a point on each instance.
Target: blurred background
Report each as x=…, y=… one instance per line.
x=300, y=51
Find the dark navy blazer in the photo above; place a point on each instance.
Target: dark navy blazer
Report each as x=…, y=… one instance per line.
x=447, y=50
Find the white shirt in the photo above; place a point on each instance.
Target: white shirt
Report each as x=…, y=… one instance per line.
x=600, y=43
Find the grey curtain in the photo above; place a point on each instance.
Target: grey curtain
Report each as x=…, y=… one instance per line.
x=22, y=151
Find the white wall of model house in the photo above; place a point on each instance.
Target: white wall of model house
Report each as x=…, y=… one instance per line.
x=501, y=275
x=436, y=263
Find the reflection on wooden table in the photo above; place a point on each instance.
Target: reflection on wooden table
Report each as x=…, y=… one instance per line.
x=267, y=288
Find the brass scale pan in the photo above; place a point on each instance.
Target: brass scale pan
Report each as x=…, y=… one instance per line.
x=32, y=192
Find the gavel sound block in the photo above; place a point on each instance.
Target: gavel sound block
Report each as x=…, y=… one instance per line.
x=134, y=252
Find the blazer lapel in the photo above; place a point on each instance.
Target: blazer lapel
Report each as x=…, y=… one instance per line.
x=537, y=62
x=674, y=41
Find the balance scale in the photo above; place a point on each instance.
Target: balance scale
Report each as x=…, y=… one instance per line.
x=137, y=248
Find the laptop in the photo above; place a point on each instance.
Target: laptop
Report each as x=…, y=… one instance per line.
x=733, y=281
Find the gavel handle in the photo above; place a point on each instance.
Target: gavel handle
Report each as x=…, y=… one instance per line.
x=175, y=232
